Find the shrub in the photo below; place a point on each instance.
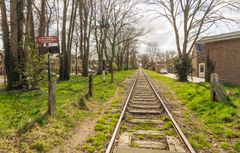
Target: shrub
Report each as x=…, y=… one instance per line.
x=210, y=67
x=82, y=103
x=182, y=67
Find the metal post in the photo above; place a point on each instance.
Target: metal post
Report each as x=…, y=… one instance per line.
x=90, y=87
x=49, y=69
x=104, y=69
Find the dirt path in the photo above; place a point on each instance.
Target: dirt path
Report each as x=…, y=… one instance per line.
x=83, y=130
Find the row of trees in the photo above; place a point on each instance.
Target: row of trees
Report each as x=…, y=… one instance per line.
x=106, y=27
x=154, y=55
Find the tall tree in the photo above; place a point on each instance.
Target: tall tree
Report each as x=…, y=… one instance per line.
x=85, y=17
x=30, y=32
x=6, y=44
x=18, y=80
x=71, y=31
x=64, y=72
x=42, y=25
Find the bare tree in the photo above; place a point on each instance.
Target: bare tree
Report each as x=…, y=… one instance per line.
x=42, y=25
x=121, y=15
x=144, y=60
x=6, y=44
x=64, y=72
x=71, y=31
x=192, y=18
x=85, y=17
x=152, y=50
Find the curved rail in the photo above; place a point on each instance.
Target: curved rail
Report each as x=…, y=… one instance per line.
x=176, y=126
x=111, y=143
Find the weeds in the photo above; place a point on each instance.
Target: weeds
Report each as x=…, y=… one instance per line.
x=199, y=142
x=81, y=102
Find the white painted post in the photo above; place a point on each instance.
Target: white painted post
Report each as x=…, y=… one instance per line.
x=214, y=77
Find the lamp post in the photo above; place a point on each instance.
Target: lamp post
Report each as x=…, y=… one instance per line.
x=105, y=26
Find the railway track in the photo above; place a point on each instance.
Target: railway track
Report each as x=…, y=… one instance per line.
x=146, y=125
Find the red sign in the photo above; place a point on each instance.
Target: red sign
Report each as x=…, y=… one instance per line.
x=46, y=39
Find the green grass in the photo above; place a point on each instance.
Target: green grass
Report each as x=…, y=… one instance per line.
x=22, y=112
x=199, y=141
x=104, y=127
x=221, y=118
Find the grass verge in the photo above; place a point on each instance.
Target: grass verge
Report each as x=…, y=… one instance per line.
x=220, y=119
x=97, y=142
x=24, y=125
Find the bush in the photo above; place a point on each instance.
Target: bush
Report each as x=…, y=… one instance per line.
x=182, y=67
x=210, y=67
x=82, y=103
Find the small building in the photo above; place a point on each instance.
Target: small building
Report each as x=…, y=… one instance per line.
x=224, y=52
x=168, y=65
x=1, y=63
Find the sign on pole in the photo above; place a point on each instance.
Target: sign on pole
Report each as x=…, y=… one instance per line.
x=46, y=39
x=49, y=49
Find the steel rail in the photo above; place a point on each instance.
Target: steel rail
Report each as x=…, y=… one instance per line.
x=175, y=124
x=111, y=143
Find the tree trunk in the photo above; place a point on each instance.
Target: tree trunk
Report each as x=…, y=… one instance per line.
x=15, y=78
x=6, y=44
x=30, y=22
x=42, y=25
x=127, y=60
x=21, y=52
x=70, y=32
x=64, y=73
x=100, y=64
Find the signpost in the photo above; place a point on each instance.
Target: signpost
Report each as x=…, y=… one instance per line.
x=48, y=49
x=41, y=40
x=46, y=39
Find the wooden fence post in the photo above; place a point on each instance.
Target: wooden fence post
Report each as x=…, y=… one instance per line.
x=217, y=90
x=213, y=81
x=52, y=98
x=90, y=87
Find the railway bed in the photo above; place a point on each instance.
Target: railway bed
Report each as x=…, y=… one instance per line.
x=146, y=125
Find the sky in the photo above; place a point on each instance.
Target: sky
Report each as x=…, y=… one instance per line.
x=163, y=33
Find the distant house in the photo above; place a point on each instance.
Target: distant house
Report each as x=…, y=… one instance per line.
x=164, y=65
x=224, y=51
x=1, y=62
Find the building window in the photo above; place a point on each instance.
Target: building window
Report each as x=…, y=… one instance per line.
x=201, y=68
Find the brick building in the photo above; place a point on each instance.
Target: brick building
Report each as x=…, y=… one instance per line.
x=1, y=63
x=224, y=51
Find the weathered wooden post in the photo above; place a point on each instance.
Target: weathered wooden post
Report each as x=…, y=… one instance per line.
x=213, y=81
x=52, y=98
x=90, y=86
x=4, y=78
x=217, y=90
